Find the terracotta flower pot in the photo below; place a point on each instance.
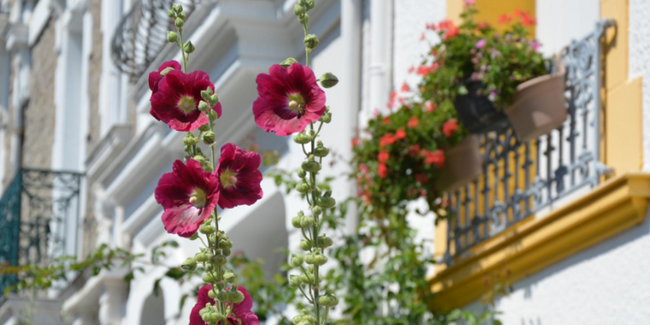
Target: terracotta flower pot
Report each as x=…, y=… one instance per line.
x=463, y=164
x=477, y=112
x=538, y=106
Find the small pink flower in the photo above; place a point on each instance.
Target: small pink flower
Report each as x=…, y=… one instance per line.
x=470, y=2
x=188, y=195
x=176, y=101
x=535, y=45
x=289, y=99
x=239, y=177
x=241, y=311
x=480, y=44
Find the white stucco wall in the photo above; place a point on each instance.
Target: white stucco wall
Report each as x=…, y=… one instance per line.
x=560, y=21
x=639, y=33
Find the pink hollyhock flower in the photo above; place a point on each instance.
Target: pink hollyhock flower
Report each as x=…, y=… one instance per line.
x=188, y=195
x=449, y=127
x=177, y=100
x=239, y=177
x=241, y=311
x=480, y=44
x=289, y=99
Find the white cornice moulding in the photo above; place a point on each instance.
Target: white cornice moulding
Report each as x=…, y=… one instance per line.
x=17, y=37
x=38, y=20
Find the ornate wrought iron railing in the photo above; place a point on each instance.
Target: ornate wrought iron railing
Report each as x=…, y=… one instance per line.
x=38, y=212
x=520, y=179
x=141, y=34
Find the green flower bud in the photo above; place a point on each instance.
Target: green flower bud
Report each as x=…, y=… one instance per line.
x=207, y=229
x=328, y=300
x=202, y=257
x=230, y=277
x=326, y=202
x=317, y=211
x=165, y=71
x=172, y=37
x=295, y=221
x=203, y=106
x=298, y=10
x=214, y=99
x=307, y=222
x=189, y=264
x=194, y=237
x=324, y=241
x=190, y=140
x=189, y=47
x=301, y=173
x=181, y=15
x=295, y=281
x=311, y=165
x=179, y=22
x=288, y=62
x=304, y=19
x=200, y=159
x=223, y=295
x=309, y=4
x=236, y=296
x=311, y=41
x=328, y=80
x=307, y=278
x=212, y=295
x=205, y=94
x=310, y=258
x=212, y=115
x=205, y=127
x=296, y=260
x=209, y=137
x=177, y=8
x=305, y=244
x=326, y=118
x=225, y=251
x=209, y=267
x=171, y=13
x=320, y=259
x=301, y=138
x=321, y=151
x=218, y=260
x=209, y=278
x=302, y=187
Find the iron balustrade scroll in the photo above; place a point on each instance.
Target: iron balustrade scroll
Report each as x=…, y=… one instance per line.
x=39, y=210
x=141, y=34
x=521, y=178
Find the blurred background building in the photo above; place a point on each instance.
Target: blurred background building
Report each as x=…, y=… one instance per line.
x=80, y=155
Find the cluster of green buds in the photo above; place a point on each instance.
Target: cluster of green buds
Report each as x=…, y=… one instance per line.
x=178, y=15
x=206, y=135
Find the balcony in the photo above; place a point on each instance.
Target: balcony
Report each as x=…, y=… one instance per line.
x=39, y=216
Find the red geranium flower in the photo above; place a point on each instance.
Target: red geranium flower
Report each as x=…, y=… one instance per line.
x=355, y=141
x=414, y=150
x=421, y=178
x=289, y=99
x=155, y=77
x=411, y=69
x=386, y=140
x=437, y=157
x=405, y=87
x=386, y=120
x=383, y=156
x=430, y=106
x=528, y=20
x=241, y=311
x=449, y=127
x=504, y=19
x=188, y=195
x=239, y=177
x=177, y=100
x=413, y=122
x=382, y=171
x=400, y=134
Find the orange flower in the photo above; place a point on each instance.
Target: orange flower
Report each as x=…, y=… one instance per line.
x=413, y=122
x=382, y=171
x=504, y=19
x=383, y=156
x=449, y=127
x=386, y=140
x=400, y=134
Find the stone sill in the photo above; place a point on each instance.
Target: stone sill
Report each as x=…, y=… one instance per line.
x=528, y=247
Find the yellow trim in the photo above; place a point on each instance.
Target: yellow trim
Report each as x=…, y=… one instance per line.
x=527, y=247
x=490, y=10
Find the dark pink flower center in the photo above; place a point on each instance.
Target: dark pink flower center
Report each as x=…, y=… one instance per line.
x=228, y=178
x=186, y=104
x=296, y=104
x=198, y=198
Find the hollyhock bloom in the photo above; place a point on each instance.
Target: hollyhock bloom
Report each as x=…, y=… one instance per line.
x=241, y=311
x=176, y=102
x=449, y=127
x=188, y=195
x=400, y=134
x=386, y=140
x=413, y=122
x=382, y=171
x=383, y=156
x=480, y=44
x=504, y=19
x=239, y=177
x=289, y=99
x=436, y=158
x=155, y=76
